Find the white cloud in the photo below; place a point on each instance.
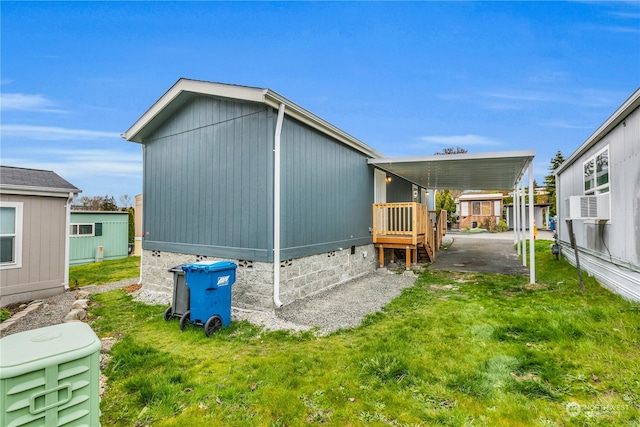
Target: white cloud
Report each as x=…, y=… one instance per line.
x=23, y=102
x=507, y=99
x=563, y=124
x=51, y=133
x=459, y=140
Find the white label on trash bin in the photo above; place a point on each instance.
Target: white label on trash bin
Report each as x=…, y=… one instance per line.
x=223, y=280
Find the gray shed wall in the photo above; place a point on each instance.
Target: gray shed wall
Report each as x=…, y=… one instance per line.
x=43, y=246
x=208, y=181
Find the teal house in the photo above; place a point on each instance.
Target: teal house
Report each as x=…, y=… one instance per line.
x=97, y=236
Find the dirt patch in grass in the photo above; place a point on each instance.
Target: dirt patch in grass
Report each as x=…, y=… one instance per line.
x=535, y=286
x=132, y=288
x=436, y=288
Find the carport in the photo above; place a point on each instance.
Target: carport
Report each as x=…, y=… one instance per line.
x=503, y=171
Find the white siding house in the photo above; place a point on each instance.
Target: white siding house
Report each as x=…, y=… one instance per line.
x=598, y=191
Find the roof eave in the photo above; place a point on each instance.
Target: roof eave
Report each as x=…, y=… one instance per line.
x=38, y=191
x=614, y=120
x=243, y=93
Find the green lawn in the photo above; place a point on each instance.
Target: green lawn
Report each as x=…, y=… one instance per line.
x=454, y=349
x=99, y=273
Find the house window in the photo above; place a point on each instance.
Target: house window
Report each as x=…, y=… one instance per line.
x=481, y=208
x=596, y=173
x=79, y=230
x=10, y=235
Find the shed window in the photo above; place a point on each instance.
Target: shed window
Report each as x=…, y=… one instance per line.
x=481, y=208
x=78, y=230
x=10, y=235
x=596, y=173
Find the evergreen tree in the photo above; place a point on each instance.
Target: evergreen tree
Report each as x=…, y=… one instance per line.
x=550, y=181
x=444, y=201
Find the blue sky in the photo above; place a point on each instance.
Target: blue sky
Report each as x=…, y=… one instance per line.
x=406, y=78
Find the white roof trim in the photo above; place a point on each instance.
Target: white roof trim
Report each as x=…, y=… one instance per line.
x=467, y=171
x=616, y=118
x=36, y=191
x=243, y=93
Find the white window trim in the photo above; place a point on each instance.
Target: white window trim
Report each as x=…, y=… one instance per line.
x=597, y=189
x=17, y=263
x=78, y=224
x=489, y=203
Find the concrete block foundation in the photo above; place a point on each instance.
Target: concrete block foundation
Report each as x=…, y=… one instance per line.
x=253, y=289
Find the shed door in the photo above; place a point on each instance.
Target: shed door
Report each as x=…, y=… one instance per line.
x=380, y=186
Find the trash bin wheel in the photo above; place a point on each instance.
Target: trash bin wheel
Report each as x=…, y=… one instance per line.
x=185, y=320
x=213, y=325
x=168, y=314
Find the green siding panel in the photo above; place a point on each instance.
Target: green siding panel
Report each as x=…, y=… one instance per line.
x=114, y=238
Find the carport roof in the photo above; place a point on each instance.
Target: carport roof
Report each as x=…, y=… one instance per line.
x=477, y=171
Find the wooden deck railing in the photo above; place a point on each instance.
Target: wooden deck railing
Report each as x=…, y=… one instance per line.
x=439, y=218
x=402, y=220
x=408, y=226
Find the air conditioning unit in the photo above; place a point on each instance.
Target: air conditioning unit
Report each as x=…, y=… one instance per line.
x=588, y=207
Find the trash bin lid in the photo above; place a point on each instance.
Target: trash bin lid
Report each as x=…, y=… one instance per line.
x=210, y=266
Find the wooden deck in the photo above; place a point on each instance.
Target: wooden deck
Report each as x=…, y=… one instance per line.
x=408, y=226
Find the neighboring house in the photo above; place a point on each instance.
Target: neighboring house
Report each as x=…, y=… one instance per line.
x=35, y=210
x=481, y=210
x=98, y=235
x=598, y=198
x=540, y=215
x=242, y=173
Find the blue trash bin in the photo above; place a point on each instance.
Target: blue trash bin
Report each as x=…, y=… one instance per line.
x=209, y=286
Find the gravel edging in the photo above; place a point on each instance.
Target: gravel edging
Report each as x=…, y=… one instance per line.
x=52, y=311
x=342, y=306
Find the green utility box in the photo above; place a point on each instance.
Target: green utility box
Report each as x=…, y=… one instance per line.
x=50, y=377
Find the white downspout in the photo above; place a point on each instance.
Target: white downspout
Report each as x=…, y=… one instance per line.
x=67, y=240
x=532, y=249
x=141, y=218
x=276, y=208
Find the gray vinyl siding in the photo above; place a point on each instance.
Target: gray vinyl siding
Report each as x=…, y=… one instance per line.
x=208, y=181
x=609, y=250
x=618, y=238
x=327, y=193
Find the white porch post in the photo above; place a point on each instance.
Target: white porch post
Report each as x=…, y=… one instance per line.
x=532, y=251
x=522, y=224
x=516, y=223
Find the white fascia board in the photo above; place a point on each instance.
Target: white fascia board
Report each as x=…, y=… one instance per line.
x=251, y=94
x=295, y=111
x=37, y=191
x=616, y=118
x=197, y=87
x=446, y=157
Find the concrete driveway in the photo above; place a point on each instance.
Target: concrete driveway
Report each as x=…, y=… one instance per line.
x=483, y=253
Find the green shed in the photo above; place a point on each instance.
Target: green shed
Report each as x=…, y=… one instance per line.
x=97, y=236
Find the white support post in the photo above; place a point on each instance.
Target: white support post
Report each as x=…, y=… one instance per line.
x=532, y=249
x=523, y=221
x=516, y=222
